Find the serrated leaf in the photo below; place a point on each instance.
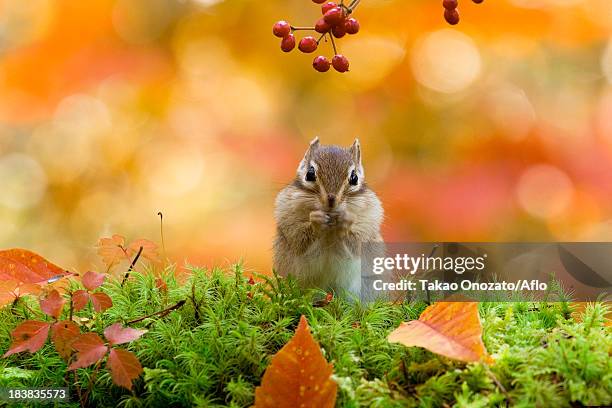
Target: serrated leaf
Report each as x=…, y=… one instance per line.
x=92, y=280
x=149, y=249
x=90, y=349
x=112, y=250
x=298, y=375
x=101, y=301
x=124, y=367
x=451, y=329
x=53, y=304
x=63, y=334
x=80, y=299
x=116, y=334
x=30, y=335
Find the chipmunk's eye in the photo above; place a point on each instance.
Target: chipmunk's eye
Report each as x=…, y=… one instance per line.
x=353, y=179
x=310, y=175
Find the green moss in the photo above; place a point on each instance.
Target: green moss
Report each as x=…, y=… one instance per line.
x=214, y=350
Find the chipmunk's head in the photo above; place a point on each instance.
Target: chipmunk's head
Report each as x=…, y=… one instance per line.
x=332, y=173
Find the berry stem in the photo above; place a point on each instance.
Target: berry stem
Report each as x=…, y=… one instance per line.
x=353, y=5
x=302, y=28
x=333, y=44
x=321, y=37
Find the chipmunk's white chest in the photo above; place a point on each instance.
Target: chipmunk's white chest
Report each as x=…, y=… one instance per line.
x=330, y=267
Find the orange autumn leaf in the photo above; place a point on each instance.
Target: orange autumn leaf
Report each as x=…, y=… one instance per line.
x=63, y=334
x=298, y=375
x=112, y=250
x=124, y=367
x=10, y=290
x=149, y=249
x=27, y=267
x=451, y=329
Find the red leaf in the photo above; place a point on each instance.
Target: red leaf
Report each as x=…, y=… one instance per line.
x=161, y=285
x=27, y=267
x=92, y=280
x=63, y=335
x=101, y=301
x=116, y=334
x=30, y=335
x=112, y=250
x=124, y=367
x=52, y=305
x=149, y=249
x=91, y=349
x=80, y=299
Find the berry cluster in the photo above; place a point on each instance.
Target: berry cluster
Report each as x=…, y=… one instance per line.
x=451, y=15
x=336, y=22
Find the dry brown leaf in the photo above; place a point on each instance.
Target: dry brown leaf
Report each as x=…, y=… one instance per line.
x=451, y=329
x=298, y=376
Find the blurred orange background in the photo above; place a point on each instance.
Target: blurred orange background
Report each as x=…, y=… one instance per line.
x=497, y=129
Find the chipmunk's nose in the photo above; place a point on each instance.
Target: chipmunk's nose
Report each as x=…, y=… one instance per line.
x=331, y=200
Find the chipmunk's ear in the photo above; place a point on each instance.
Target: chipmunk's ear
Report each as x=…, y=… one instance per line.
x=356, y=152
x=305, y=163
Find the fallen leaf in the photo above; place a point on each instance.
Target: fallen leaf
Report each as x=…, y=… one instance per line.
x=124, y=367
x=30, y=335
x=112, y=250
x=90, y=349
x=451, y=329
x=63, y=334
x=93, y=280
x=52, y=305
x=116, y=334
x=101, y=301
x=27, y=267
x=298, y=375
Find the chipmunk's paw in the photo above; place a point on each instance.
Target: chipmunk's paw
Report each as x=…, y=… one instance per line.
x=319, y=218
x=341, y=219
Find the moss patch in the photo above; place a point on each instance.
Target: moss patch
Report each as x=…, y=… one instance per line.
x=214, y=350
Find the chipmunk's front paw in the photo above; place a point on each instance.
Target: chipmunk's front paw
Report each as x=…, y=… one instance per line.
x=319, y=218
x=341, y=219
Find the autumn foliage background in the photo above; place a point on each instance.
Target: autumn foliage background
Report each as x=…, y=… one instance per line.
x=498, y=129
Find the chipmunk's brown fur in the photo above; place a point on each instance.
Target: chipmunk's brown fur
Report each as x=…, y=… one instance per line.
x=323, y=223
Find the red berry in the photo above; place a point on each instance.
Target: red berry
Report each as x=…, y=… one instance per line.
x=288, y=43
x=477, y=1
x=308, y=44
x=339, y=31
x=334, y=16
x=328, y=6
x=340, y=63
x=321, y=64
x=451, y=16
x=351, y=26
x=281, y=29
x=321, y=26
x=450, y=4
x=318, y=1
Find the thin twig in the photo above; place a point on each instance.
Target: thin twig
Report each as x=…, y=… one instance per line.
x=131, y=268
x=161, y=231
x=161, y=313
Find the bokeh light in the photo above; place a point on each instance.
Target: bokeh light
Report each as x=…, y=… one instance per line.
x=499, y=128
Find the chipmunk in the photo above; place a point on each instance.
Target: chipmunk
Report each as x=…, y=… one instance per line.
x=323, y=219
